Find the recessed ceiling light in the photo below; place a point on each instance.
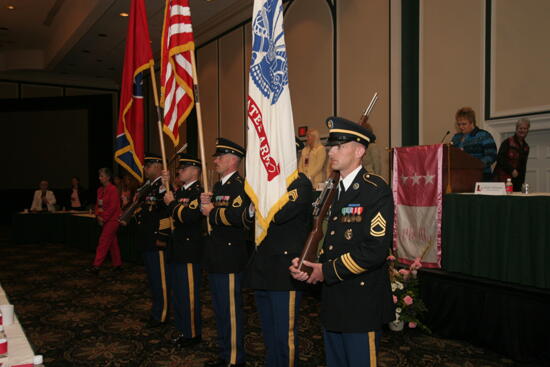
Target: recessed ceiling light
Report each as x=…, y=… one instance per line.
x=123, y=14
x=10, y=7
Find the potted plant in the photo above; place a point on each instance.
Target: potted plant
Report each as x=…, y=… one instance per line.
x=406, y=296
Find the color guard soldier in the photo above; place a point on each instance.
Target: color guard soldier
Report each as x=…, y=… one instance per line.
x=357, y=298
x=153, y=234
x=185, y=250
x=226, y=253
x=277, y=294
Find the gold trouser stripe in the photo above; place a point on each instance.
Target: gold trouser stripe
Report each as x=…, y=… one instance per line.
x=163, y=281
x=191, y=283
x=233, y=317
x=291, y=320
x=372, y=348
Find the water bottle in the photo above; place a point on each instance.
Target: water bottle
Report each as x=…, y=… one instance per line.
x=3, y=342
x=509, y=186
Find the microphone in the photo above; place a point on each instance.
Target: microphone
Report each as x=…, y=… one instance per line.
x=444, y=136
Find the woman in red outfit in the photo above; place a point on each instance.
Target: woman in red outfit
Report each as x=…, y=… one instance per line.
x=107, y=212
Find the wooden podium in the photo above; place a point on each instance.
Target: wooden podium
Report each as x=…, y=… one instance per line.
x=461, y=171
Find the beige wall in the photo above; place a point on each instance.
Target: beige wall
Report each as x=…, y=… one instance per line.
x=363, y=67
x=451, y=50
x=521, y=57
x=308, y=33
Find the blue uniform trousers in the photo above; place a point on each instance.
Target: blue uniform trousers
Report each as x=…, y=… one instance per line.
x=278, y=311
x=185, y=282
x=155, y=266
x=351, y=349
x=227, y=301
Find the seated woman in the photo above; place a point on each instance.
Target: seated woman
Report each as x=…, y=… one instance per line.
x=512, y=156
x=77, y=195
x=44, y=199
x=476, y=142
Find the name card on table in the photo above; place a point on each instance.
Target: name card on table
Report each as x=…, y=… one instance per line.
x=490, y=188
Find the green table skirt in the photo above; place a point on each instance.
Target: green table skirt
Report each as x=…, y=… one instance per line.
x=505, y=238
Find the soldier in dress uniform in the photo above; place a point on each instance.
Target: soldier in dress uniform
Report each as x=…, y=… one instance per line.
x=185, y=250
x=277, y=294
x=357, y=298
x=225, y=253
x=153, y=234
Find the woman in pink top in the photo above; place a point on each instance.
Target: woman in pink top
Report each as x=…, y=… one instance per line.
x=107, y=212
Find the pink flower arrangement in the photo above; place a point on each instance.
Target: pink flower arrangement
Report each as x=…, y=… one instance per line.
x=406, y=293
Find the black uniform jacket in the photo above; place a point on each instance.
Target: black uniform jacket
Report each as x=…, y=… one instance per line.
x=187, y=238
x=225, y=250
x=153, y=219
x=357, y=293
x=287, y=233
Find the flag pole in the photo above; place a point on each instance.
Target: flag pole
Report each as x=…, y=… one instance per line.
x=159, y=122
x=199, y=119
x=199, y=127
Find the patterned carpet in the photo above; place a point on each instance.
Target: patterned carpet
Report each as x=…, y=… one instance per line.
x=77, y=319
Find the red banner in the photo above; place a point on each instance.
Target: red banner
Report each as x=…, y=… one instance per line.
x=418, y=196
x=255, y=115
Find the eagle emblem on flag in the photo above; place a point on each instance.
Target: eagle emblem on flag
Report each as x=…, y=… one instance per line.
x=269, y=69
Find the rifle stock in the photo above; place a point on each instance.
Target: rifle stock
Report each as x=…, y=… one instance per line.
x=142, y=192
x=129, y=213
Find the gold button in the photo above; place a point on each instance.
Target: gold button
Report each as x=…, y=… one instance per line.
x=229, y=244
x=187, y=238
x=286, y=252
x=330, y=247
x=332, y=233
x=334, y=218
x=362, y=284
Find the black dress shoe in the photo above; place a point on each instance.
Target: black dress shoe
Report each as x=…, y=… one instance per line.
x=184, y=342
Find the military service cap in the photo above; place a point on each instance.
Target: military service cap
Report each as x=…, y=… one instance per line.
x=343, y=131
x=152, y=158
x=188, y=160
x=225, y=146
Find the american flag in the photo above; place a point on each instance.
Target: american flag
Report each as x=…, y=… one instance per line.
x=176, y=68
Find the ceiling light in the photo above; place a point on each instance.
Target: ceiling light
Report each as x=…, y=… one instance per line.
x=10, y=7
x=123, y=14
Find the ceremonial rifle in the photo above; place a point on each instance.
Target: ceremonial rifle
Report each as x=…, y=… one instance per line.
x=141, y=194
x=322, y=205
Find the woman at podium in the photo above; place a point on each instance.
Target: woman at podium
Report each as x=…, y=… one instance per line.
x=475, y=141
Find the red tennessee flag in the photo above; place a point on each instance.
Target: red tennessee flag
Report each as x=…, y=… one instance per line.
x=137, y=58
x=176, y=75
x=417, y=193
